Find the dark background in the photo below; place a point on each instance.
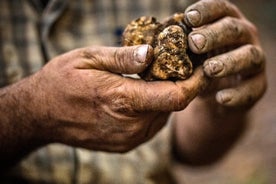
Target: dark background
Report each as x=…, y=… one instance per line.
x=253, y=159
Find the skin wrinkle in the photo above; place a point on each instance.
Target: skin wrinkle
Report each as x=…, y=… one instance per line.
x=139, y=104
x=144, y=101
x=218, y=38
x=87, y=60
x=234, y=28
x=211, y=35
x=86, y=53
x=121, y=101
x=118, y=110
x=121, y=104
x=119, y=61
x=91, y=60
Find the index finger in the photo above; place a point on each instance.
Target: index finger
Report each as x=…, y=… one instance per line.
x=169, y=96
x=207, y=11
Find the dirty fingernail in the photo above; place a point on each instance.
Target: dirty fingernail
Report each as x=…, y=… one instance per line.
x=193, y=17
x=223, y=98
x=143, y=54
x=213, y=67
x=199, y=41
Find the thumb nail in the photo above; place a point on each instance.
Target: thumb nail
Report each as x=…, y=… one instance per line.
x=143, y=54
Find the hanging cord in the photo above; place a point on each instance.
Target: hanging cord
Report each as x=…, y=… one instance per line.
x=76, y=166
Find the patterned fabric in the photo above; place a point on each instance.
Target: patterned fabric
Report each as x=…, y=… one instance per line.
x=30, y=35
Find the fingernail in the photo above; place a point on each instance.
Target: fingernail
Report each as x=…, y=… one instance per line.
x=199, y=41
x=193, y=17
x=223, y=98
x=143, y=54
x=213, y=67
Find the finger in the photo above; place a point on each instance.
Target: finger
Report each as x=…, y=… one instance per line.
x=247, y=59
x=207, y=11
x=246, y=94
x=226, y=32
x=166, y=95
x=123, y=60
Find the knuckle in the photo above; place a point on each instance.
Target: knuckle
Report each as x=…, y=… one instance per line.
x=257, y=57
x=233, y=24
x=120, y=100
x=121, y=104
x=253, y=51
x=236, y=29
x=89, y=57
x=88, y=53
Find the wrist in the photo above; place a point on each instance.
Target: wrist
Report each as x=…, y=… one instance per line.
x=19, y=117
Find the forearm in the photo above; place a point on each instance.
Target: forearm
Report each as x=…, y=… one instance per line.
x=204, y=134
x=17, y=133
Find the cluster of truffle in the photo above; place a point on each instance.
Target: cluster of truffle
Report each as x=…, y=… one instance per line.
x=169, y=40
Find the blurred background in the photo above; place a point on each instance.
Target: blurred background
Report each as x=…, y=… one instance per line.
x=253, y=159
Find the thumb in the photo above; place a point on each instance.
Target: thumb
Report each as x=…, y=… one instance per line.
x=123, y=60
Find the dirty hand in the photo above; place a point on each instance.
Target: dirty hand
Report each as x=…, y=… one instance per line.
x=214, y=121
x=237, y=61
x=81, y=99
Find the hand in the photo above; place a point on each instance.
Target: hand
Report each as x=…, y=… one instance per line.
x=237, y=62
x=215, y=120
x=81, y=99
